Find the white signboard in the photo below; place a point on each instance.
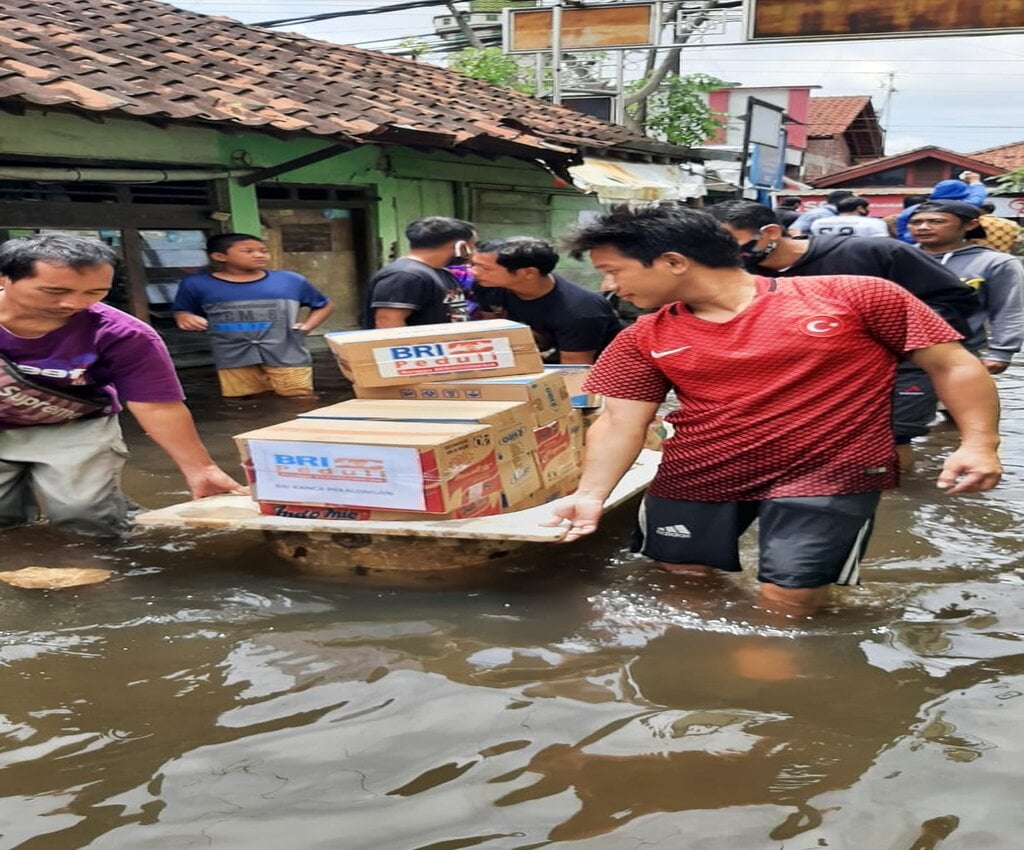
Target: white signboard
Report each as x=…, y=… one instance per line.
x=338, y=474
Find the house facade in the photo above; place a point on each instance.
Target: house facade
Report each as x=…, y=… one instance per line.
x=152, y=128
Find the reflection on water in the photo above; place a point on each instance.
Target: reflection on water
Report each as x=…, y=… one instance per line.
x=207, y=697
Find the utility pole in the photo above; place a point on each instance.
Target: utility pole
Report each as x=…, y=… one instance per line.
x=464, y=28
x=884, y=112
x=556, y=53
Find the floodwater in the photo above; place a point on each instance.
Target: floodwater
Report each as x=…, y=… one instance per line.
x=207, y=696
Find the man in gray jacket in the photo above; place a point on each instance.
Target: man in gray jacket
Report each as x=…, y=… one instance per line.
x=943, y=228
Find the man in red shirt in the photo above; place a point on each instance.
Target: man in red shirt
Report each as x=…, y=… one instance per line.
x=784, y=387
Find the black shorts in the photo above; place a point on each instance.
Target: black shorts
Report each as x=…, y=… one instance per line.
x=804, y=541
x=914, y=402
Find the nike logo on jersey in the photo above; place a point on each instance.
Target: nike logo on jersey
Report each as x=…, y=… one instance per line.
x=657, y=355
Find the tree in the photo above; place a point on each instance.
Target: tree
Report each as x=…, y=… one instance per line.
x=491, y=65
x=664, y=103
x=677, y=112
x=1012, y=181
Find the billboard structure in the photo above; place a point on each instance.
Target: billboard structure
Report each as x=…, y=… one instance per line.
x=559, y=29
x=764, y=146
x=786, y=20
x=624, y=25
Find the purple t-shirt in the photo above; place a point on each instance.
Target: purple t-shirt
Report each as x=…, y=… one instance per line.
x=102, y=348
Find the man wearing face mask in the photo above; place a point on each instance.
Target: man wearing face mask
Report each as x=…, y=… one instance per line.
x=768, y=251
x=417, y=289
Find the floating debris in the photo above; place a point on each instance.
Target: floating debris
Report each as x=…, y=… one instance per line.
x=54, y=578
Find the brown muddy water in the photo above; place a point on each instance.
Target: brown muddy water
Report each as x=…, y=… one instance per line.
x=208, y=697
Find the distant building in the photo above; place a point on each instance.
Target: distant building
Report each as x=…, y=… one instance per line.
x=484, y=19
x=886, y=180
x=841, y=132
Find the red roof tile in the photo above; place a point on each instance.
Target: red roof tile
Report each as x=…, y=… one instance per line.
x=1009, y=156
x=151, y=60
x=833, y=116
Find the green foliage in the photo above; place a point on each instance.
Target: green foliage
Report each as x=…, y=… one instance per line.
x=1012, y=181
x=414, y=48
x=491, y=65
x=677, y=112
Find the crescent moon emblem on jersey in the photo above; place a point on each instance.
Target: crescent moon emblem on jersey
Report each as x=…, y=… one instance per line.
x=821, y=326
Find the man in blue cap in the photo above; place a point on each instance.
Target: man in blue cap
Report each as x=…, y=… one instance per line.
x=968, y=189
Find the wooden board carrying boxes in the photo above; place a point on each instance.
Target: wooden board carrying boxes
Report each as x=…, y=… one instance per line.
x=421, y=353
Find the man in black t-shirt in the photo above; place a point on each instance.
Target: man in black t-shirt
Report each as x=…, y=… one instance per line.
x=417, y=289
x=514, y=280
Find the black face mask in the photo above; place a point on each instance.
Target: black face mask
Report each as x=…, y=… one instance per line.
x=753, y=256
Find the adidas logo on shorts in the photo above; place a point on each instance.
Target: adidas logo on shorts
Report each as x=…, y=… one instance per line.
x=673, y=531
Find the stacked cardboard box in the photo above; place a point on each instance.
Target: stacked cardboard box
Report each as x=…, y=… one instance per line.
x=422, y=353
x=372, y=469
x=509, y=424
x=450, y=421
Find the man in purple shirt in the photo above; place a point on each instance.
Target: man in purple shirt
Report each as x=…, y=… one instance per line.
x=67, y=364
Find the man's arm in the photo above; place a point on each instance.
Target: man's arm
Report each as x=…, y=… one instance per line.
x=577, y=357
x=613, y=442
x=390, y=317
x=315, y=318
x=969, y=394
x=190, y=321
x=1004, y=296
x=169, y=424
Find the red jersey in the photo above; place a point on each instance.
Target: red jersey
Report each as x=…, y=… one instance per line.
x=791, y=397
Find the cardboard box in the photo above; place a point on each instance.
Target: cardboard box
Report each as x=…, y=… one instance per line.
x=512, y=421
x=555, y=490
x=559, y=448
x=393, y=466
x=545, y=392
x=484, y=506
x=419, y=353
x=575, y=375
x=519, y=478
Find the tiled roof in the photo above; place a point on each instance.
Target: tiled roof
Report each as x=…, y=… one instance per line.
x=833, y=116
x=1009, y=156
x=150, y=60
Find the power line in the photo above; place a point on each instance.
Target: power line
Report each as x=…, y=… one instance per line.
x=351, y=13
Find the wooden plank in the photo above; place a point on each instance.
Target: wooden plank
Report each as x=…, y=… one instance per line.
x=240, y=512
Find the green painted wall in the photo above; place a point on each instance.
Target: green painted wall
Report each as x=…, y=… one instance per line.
x=407, y=184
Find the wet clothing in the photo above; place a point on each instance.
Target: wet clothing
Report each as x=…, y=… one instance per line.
x=287, y=381
x=997, y=326
x=805, y=541
x=70, y=471
x=252, y=323
x=848, y=225
x=568, y=318
x=100, y=353
x=68, y=474
x=791, y=397
x=433, y=295
x=914, y=399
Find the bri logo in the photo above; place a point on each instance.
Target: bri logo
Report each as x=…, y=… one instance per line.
x=324, y=468
x=440, y=349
